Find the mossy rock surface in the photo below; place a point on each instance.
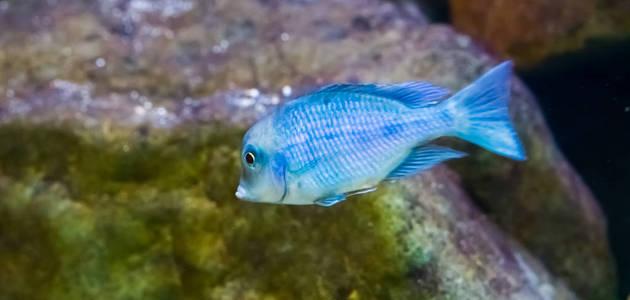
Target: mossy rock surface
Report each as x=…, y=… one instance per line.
x=84, y=216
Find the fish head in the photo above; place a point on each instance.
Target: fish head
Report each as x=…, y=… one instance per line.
x=263, y=168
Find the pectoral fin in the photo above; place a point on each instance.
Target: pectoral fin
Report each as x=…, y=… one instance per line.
x=306, y=167
x=423, y=158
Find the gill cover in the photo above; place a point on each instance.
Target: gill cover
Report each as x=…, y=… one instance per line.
x=278, y=168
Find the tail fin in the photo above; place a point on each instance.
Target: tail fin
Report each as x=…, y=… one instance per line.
x=480, y=113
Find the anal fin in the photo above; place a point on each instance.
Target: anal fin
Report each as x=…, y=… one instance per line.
x=423, y=158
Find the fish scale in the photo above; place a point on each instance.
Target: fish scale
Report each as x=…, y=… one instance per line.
x=359, y=136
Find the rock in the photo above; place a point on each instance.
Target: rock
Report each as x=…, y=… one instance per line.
x=130, y=219
x=129, y=120
x=531, y=31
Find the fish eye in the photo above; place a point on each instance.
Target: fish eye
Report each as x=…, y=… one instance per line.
x=250, y=158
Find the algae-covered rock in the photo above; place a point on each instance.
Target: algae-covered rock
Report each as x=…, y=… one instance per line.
x=119, y=156
x=122, y=219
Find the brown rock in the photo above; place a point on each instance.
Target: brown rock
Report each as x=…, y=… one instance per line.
x=529, y=31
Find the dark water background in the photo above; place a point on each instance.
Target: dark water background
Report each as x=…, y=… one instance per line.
x=585, y=97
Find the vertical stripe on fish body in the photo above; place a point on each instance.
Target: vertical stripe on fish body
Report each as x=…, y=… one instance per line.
x=347, y=140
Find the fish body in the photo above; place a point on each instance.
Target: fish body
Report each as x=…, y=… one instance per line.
x=344, y=139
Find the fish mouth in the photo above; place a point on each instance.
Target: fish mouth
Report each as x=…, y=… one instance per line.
x=241, y=193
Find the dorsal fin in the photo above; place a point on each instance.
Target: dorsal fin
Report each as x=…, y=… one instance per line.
x=412, y=94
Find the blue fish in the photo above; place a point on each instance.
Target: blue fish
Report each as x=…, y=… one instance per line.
x=344, y=139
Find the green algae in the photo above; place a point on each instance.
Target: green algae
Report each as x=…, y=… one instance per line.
x=151, y=215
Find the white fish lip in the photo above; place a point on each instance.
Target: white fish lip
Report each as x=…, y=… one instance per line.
x=240, y=193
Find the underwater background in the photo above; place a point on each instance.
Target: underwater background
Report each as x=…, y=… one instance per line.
x=584, y=131
x=122, y=120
